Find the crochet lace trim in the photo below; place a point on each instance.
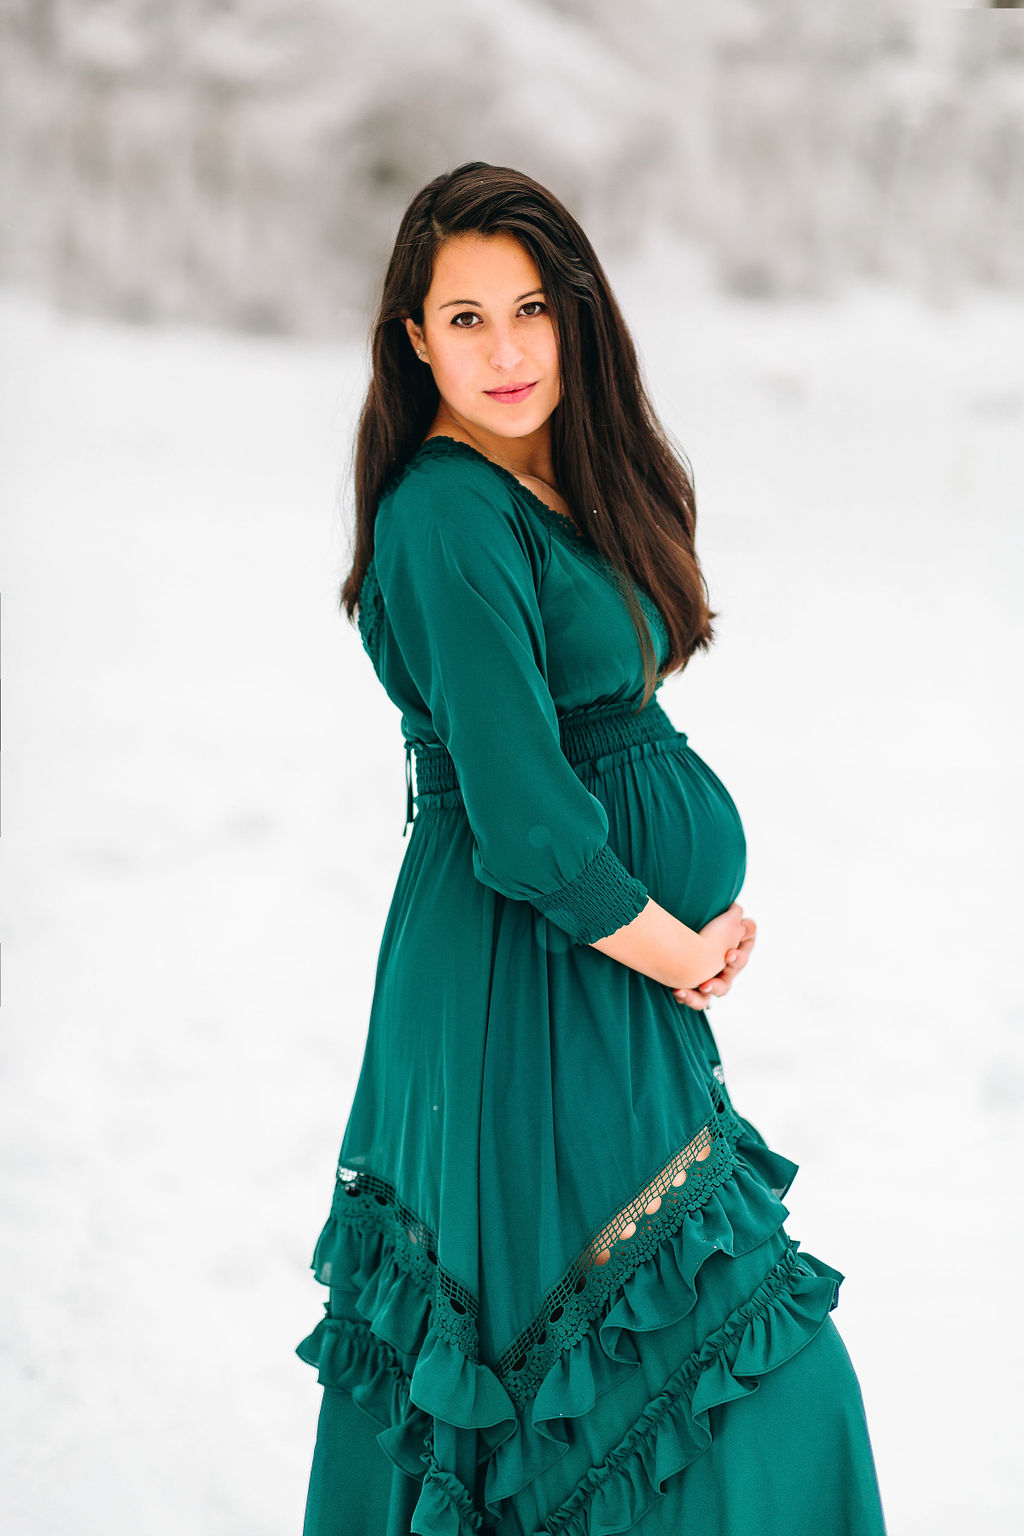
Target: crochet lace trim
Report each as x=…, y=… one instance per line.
x=609, y=1257
x=370, y=614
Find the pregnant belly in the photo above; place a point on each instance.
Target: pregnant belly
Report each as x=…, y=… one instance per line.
x=673, y=824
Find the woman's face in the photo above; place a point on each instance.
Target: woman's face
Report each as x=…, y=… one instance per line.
x=486, y=326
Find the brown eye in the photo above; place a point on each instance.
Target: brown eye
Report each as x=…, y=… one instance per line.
x=463, y=315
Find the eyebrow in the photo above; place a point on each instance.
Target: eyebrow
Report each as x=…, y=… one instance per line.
x=478, y=305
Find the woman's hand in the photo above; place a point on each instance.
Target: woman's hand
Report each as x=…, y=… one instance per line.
x=718, y=986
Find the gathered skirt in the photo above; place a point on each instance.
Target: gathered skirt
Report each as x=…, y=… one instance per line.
x=562, y=1296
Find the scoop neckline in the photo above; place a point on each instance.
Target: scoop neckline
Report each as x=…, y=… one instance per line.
x=557, y=519
x=570, y=536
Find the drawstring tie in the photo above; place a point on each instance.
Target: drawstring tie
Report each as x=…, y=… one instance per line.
x=408, y=787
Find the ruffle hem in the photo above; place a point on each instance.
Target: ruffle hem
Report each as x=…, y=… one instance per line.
x=782, y=1316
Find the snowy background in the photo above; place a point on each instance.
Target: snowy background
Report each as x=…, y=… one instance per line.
x=203, y=783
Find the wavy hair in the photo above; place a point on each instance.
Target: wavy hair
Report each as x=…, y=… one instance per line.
x=609, y=450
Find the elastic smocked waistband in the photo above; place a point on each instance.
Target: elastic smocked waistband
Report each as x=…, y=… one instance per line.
x=584, y=734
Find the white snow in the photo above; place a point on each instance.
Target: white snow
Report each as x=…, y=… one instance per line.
x=203, y=799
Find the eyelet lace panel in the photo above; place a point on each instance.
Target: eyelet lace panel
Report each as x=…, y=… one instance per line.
x=675, y=1173
x=681, y=1185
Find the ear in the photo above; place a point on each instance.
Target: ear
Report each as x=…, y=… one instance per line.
x=415, y=336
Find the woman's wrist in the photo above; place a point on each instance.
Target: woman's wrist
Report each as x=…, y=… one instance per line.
x=658, y=945
x=702, y=961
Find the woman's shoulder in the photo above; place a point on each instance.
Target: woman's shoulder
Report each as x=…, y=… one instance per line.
x=447, y=482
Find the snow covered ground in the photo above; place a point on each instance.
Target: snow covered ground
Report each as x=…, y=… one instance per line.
x=203, y=800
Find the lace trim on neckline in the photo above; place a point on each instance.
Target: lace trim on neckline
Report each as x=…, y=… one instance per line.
x=679, y=1187
x=560, y=522
x=567, y=532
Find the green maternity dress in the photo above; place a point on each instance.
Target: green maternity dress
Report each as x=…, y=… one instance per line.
x=562, y=1300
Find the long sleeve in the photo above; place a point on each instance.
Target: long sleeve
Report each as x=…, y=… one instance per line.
x=460, y=596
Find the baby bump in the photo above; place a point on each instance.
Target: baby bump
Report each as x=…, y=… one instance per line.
x=673, y=824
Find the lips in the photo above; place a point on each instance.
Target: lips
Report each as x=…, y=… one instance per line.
x=510, y=394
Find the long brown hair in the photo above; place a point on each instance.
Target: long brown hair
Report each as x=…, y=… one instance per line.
x=609, y=450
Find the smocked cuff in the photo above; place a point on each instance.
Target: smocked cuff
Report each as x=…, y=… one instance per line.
x=603, y=897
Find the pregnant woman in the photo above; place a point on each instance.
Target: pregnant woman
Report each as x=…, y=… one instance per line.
x=561, y=1294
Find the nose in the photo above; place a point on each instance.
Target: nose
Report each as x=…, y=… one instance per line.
x=506, y=353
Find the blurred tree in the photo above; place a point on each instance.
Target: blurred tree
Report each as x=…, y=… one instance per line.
x=245, y=162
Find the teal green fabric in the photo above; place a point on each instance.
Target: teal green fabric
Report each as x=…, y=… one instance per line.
x=561, y=1296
